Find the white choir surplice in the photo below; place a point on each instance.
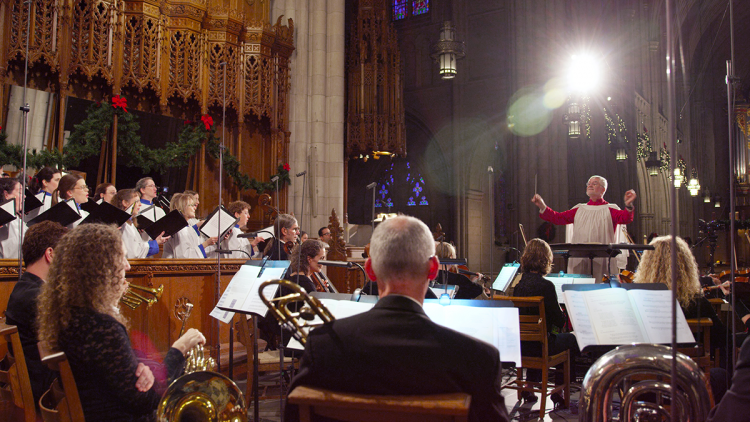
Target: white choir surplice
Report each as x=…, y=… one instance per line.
x=46, y=199
x=134, y=244
x=238, y=244
x=597, y=219
x=9, y=240
x=186, y=243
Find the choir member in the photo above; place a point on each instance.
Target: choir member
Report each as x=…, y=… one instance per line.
x=43, y=184
x=72, y=186
x=104, y=192
x=134, y=243
x=10, y=233
x=241, y=210
x=187, y=243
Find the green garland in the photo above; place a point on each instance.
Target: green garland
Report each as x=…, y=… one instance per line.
x=86, y=141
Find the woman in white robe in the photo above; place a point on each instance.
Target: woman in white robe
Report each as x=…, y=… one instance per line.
x=10, y=232
x=242, y=248
x=72, y=186
x=188, y=242
x=128, y=200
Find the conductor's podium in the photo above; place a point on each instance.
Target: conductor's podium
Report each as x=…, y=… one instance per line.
x=155, y=327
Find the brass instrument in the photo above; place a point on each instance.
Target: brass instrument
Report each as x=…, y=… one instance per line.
x=200, y=394
x=639, y=368
x=288, y=317
x=133, y=299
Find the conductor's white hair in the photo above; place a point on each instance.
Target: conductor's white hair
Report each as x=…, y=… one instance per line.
x=601, y=179
x=401, y=248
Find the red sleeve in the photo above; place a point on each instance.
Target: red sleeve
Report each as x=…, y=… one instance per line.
x=559, y=218
x=622, y=216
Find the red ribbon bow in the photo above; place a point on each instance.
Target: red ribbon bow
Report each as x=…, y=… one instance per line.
x=208, y=121
x=121, y=102
x=286, y=167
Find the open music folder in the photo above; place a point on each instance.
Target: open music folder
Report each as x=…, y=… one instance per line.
x=241, y=295
x=615, y=316
x=211, y=227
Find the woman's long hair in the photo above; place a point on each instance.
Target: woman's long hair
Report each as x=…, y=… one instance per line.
x=180, y=202
x=298, y=259
x=283, y=221
x=656, y=267
x=537, y=257
x=86, y=273
x=67, y=183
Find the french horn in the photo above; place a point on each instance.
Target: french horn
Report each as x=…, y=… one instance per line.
x=641, y=373
x=287, y=310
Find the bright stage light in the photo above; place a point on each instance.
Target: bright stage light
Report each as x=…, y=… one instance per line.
x=584, y=73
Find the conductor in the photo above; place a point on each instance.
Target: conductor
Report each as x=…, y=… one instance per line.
x=593, y=222
x=394, y=348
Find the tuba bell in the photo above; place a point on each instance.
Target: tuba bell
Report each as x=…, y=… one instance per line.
x=643, y=372
x=284, y=309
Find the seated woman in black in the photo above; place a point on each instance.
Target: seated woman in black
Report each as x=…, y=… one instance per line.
x=468, y=288
x=303, y=262
x=536, y=262
x=656, y=267
x=285, y=230
x=79, y=313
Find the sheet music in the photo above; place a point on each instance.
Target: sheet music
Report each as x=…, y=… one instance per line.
x=236, y=292
x=613, y=317
x=253, y=304
x=211, y=226
x=10, y=206
x=575, y=304
x=150, y=215
x=560, y=281
x=500, y=326
x=654, y=307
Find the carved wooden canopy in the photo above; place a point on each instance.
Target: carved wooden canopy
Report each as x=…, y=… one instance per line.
x=166, y=55
x=375, y=103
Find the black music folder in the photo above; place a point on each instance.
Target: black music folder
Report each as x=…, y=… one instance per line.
x=89, y=206
x=211, y=228
x=107, y=213
x=169, y=224
x=7, y=211
x=31, y=202
x=62, y=213
x=144, y=217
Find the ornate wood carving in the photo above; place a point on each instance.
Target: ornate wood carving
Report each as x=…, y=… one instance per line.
x=375, y=106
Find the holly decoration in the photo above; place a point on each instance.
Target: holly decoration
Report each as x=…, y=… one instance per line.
x=86, y=139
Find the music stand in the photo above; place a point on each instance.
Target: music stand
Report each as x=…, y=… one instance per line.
x=585, y=250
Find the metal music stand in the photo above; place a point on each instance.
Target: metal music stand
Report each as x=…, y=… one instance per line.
x=594, y=250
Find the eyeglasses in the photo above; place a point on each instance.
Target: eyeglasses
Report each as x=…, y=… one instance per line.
x=84, y=187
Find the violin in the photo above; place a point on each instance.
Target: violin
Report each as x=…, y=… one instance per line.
x=462, y=269
x=322, y=283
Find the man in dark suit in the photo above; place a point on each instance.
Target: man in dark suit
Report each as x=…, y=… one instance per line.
x=38, y=244
x=395, y=349
x=735, y=405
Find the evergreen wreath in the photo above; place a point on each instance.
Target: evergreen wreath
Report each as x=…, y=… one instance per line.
x=86, y=141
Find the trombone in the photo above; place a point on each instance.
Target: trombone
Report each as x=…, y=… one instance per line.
x=300, y=322
x=149, y=295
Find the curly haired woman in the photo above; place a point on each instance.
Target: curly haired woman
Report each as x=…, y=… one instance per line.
x=79, y=314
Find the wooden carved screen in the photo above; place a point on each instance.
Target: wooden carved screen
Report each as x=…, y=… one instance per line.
x=165, y=56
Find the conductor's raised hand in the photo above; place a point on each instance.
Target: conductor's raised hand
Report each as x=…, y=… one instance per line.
x=629, y=198
x=539, y=202
x=190, y=339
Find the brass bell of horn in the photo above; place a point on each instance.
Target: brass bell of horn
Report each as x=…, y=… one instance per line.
x=202, y=397
x=641, y=373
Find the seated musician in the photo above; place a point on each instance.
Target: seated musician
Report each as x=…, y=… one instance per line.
x=104, y=192
x=188, y=242
x=395, y=349
x=72, y=186
x=285, y=230
x=79, y=314
x=303, y=262
x=536, y=262
x=38, y=245
x=134, y=243
x=11, y=231
x=468, y=288
x=593, y=222
x=241, y=210
x=656, y=267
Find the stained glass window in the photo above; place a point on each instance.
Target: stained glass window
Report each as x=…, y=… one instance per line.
x=420, y=7
x=399, y=9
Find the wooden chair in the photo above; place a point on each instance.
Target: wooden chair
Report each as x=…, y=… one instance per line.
x=17, y=386
x=701, y=353
x=534, y=329
x=65, y=399
x=367, y=408
x=267, y=361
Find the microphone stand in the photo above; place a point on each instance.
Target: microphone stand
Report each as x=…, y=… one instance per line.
x=372, y=186
x=276, y=238
x=25, y=109
x=217, y=289
x=491, y=173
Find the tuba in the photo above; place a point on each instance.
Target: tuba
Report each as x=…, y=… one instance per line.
x=200, y=394
x=645, y=370
x=283, y=308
